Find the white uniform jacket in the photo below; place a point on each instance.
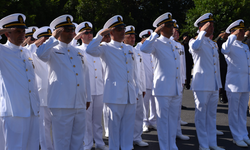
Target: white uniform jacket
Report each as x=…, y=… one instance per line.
x=95, y=70
x=120, y=75
x=69, y=85
x=206, y=71
x=181, y=51
x=141, y=71
x=238, y=65
x=167, y=80
x=19, y=95
x=42, y=75
x=148, y=67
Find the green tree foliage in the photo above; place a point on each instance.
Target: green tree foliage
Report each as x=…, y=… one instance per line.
x=225, y=12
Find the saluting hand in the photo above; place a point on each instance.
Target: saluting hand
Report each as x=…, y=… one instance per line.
x=4, y=30
x=236, y=32
x=106, y=31
x=57, y=32
x=205, y=26
x=40, y=41
x=158, y=29
x=26, y=41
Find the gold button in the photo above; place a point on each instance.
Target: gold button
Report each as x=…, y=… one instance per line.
x=94, y=61
x=213, y=55
x=176, y=77
x=125, y=54
x=169, y=42
x=121, y=47
x=21, y=50
x=173, y=49
x=29, y=80
x=78, y=84
x=71, y=57
x=26, y=69
x=95, y=77
x=215, y=72
x=126, y=62
x=68, y=50
x=153, y=67
x=127, y=71
x=30, y=91
x=24, y=60
x=77, y=74
x=95, y=69
x=151, y=61
x=74, y=66
x=175, y=58
x=213, y=47
x=128, y=81
x=177, y=68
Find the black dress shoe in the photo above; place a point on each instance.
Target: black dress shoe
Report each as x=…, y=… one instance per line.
x=223, y=100
x=183, y=107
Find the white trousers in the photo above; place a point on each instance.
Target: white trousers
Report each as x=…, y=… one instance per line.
x=237, y=114
x=179, y=132
x=2, y=141
x=68, y=126
x=20, y=133
x=106, y=118
x=205, y=117
x=149, y=106
x=167, y=108
x=94, y=123
x=45, y=125
x=138, y=120
x=121, y=126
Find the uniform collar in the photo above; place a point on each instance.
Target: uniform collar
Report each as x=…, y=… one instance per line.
x=12, y=46
x=63, y=44
x=164, y=39
x=117, y=44
x=84, y=46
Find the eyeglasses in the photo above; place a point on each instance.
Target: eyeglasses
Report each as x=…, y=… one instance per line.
x=90, y=32
x=169, y=25
x=119, y=29
x=66, y=29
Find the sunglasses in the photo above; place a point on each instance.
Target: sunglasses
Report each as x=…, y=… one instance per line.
x=169, y=25
x=32, y=39
x=90, y=32
x=66, y=29
x=119, y=29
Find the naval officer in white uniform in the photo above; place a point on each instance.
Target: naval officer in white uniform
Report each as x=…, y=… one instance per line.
x=19, y=105
x=149, y=109
x=94, y=127
x=42, y=76
x=120, y=82
x=237, y=82
x=69, y=87
x=130, y=40
x=206, y=82
x=167, y=81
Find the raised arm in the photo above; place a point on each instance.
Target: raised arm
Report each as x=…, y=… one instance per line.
x=43, y=52
x=226, y=46
x=196, y=44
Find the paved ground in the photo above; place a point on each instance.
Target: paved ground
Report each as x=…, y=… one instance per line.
x=187, y=115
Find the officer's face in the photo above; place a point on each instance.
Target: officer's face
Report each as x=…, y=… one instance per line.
x=16, y=36
x=210, y=30
x=67, y=35
x=118, y=33
x=241, y=34
x=129, y=39
x=87, y=36
x=167, y=30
